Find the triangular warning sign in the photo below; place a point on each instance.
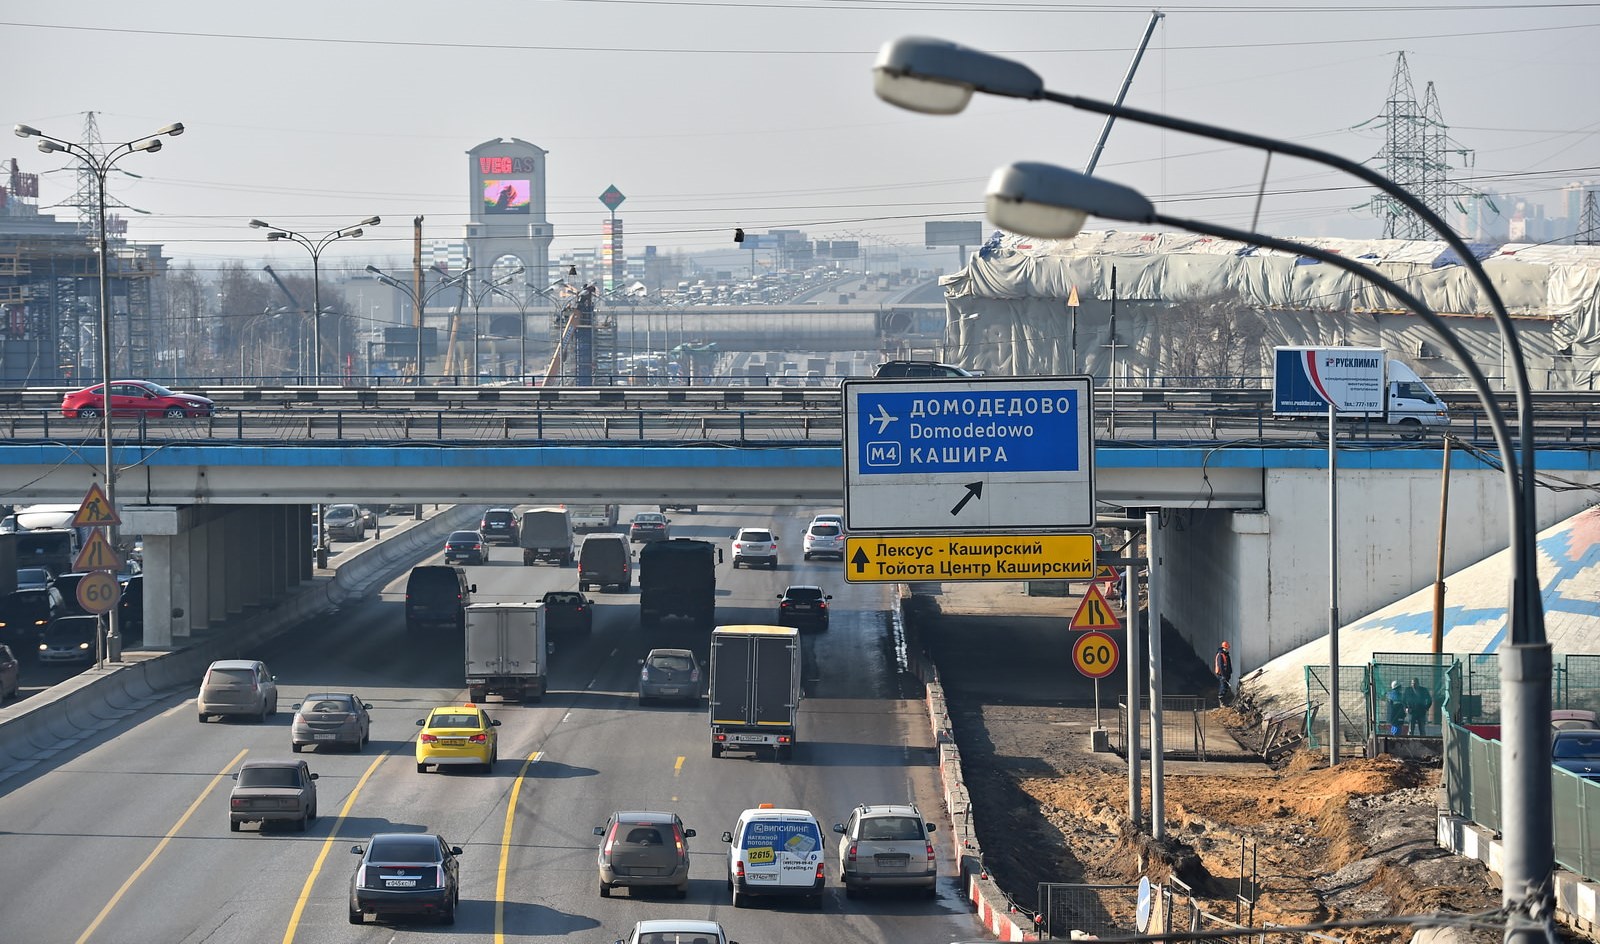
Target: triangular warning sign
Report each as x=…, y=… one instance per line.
x=1072, y=299
x=1094, y=612
x=95, y=512
x=97, y=554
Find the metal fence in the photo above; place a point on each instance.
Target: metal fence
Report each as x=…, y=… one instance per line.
x=1183, y=735
x=1578, y=682
x=1354, y=703
x=1099, y=910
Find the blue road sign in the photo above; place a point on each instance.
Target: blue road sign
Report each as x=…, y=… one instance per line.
x=969, y=453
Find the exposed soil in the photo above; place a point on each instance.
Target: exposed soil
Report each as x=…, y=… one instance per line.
x=1316, y=844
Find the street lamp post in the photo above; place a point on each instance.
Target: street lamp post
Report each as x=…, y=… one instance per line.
x=485, y=288
x=108, y=645
x=315, y=247
x=939, y=77
x=421, y=303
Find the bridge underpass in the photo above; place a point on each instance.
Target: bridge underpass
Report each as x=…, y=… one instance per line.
x=229, y=527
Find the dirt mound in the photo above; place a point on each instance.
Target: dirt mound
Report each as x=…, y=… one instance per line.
x=1307, y=843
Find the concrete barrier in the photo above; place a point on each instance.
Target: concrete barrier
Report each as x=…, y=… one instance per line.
x=992, y=906
x=36, y=728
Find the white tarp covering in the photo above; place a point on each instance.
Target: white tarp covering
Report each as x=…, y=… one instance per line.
x=1007, y=310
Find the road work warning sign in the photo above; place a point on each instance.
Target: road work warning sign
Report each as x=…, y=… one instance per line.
x=969, y=557
x=1094, y=612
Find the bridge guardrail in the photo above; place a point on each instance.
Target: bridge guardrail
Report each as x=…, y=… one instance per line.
x=743, y=416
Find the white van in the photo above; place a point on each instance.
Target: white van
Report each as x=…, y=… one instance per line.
x=776, y=852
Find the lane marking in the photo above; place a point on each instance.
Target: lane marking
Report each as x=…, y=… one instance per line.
x=505, y=850
x=305, y=890
x=104, y=912
x=177, y=708
x=677, y=768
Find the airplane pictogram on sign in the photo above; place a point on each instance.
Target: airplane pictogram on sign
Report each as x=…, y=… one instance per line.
x=1094, y=612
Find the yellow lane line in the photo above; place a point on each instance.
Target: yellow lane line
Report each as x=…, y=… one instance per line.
x=677, y=768
x=186, y=703
x=232, y=764
x=305, y=890
x=505, y=850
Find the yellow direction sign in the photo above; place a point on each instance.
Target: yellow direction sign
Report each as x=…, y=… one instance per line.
x=96, y=511
x=1094, y=612
x=97, y=554
x=1095, y=655
x=98, y=592
x=969, y=557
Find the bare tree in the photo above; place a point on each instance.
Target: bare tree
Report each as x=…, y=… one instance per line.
x=1211, y=343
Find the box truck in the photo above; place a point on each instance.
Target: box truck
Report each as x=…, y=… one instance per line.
x=593, y=517
x=507, y=651
x=755, y=689
x=546, y=535
x=1370, y=385
x=678, y=578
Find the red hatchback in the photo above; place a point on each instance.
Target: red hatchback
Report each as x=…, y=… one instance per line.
x=134, y=398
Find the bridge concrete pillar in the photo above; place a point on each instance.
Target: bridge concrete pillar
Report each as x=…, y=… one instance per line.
x=279, y=550
x=255, y=556
x=213, y=558
x=302, y=551
x=233, y=561
x=180, y=580
x=158, y=573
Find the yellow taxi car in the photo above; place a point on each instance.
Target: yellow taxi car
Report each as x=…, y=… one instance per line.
x=458, y=735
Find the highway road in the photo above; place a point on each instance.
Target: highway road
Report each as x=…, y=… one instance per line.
x=125, y=838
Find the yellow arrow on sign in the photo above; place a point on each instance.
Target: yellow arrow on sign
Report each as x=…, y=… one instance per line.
x=969, y=557
x=98, y=554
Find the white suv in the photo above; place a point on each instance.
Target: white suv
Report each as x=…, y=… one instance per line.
x=755, y=545
x=824, y=539
x=776, y=852
x=885, y=846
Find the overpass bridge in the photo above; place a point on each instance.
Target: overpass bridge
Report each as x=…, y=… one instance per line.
x=225, y=503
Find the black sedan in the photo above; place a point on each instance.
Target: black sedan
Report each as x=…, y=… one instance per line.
x=466, y=547
x=1578, y=752
x=406, y=874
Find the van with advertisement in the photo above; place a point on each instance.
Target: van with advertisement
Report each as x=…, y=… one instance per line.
x=1364, y=383
x=776, y=852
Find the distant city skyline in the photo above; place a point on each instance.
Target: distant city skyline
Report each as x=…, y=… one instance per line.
x=761, y=115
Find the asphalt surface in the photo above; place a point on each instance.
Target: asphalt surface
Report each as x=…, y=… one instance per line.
x=125, y=838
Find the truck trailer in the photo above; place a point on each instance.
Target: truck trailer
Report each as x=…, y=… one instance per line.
x=507, y=651
x=678, y=578
x=755, y=689
x=1381, y=389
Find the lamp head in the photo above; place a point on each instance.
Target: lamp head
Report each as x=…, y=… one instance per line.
x=374, y=270
x=50, y=147
x=353, y=233
x=151, y=145
x=257, y=224
x=370, y=221
x=274, y=236
x=1052, y=202
x=937, y=77
x=172, y=130
x=26, y=131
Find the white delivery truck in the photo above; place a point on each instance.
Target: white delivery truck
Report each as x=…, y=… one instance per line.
x=1366, y=382
x=593, y=517
x=755, y=689
x=507, y=651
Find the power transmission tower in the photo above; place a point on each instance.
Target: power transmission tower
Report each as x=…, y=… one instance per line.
x=1589, y=223
x=88, y=193
x=1415, y=155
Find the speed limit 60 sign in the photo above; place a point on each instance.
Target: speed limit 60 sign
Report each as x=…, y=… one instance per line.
x=1095, y=654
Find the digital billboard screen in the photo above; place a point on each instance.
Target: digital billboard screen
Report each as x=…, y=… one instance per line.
x=507, y=196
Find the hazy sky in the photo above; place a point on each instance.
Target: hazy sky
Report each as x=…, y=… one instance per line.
x=760, y=113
